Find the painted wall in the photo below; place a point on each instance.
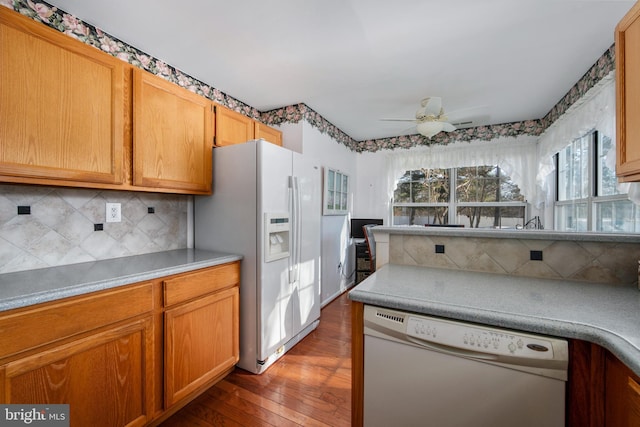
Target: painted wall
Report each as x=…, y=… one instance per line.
x=337, y=262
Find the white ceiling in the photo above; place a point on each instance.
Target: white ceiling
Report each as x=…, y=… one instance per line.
x=356, y=61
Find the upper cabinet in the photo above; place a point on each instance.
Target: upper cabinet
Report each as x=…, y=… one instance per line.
x=172, y=136
x=268, y=133
x=61, y=106
x=627, y=39
x=72, y=115
x=232, y=128
x=235, y=128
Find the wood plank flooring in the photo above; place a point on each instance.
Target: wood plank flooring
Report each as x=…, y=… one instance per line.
x=308, y=386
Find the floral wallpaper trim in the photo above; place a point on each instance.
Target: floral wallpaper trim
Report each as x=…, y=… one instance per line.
x=602, y=67
x=72, y=26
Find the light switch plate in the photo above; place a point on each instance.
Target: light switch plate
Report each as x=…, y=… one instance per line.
x=113, y=212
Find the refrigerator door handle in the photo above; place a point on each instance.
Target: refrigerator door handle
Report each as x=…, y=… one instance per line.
x=296, y=224
x=298, y=227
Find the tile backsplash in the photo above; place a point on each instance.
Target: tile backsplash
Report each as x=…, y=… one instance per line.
x=603, y=262
x=60, y=228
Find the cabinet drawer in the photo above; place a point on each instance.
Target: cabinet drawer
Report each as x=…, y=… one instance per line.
x=201, y=282
x=46, y=323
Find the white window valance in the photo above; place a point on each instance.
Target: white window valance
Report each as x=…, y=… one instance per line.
x=596, y=110
x=515, y=155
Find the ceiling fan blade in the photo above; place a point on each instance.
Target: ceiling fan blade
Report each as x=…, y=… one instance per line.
x=398, y=120
x=448, y=127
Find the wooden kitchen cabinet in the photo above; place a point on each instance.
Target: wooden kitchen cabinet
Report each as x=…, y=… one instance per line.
x=268, y=133
x=201, y=329
x=92, y=352
x=172, y=136
x=232, y=127
x=601, y=391
x=622, y=395
x=627, y=45
x=61, y=106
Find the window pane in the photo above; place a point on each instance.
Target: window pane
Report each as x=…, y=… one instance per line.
x=423, y=186
x=405, y=215
x=491, y=216
x=573, y=170
x=572, y=217
x=402, y=193
x=485, y=184
x=607, y=184
x=617, y=216
x=438, y=182
x=419, y=192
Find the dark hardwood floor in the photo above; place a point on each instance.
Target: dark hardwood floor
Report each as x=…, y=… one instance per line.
x=308, y=386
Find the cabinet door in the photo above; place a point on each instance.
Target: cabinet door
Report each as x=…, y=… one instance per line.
x=201, y=342
x=106, y=378
x=627, y=44
x=622, y=395
x=268, y=133
x=61, y=106
x=633, y=389
x=172, y=136
x=232, y=128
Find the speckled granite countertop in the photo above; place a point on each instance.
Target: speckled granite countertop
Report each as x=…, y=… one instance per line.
x=30, y=287
x=607, y=315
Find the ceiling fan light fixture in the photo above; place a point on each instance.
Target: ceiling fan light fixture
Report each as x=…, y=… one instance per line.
x=430, y=128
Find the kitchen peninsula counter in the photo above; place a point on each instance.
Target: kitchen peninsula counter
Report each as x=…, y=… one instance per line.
x=25, y=288
x=608, y=315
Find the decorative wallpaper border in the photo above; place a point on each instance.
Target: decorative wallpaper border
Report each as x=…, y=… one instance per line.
x=74, y=27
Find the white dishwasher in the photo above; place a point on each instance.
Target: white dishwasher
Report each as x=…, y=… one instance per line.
x=427, y=371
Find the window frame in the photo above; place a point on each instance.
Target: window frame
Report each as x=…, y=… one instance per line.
x=596, y=139
x=453, y=204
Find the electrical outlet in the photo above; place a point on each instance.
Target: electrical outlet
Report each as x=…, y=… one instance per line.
x=535, y=255
x=113, y=212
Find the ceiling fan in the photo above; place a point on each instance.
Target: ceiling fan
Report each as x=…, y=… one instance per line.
x=430, y=118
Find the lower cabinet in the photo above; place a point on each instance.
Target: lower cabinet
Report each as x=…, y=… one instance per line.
x=201, y=342
x=602, y=391
x=130, y=356
x=102, y=376
x=622, y=394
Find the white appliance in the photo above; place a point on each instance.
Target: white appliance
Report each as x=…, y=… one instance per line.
x=426, y=371
x=266, y=206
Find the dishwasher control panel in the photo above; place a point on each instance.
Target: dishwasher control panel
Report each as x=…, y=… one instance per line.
x=480, y=339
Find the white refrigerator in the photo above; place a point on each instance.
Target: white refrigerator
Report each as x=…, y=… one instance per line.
x=266, y=206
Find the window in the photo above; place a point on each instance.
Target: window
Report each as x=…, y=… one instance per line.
x=587, y=197
x=336, y=192
x=481, y=196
